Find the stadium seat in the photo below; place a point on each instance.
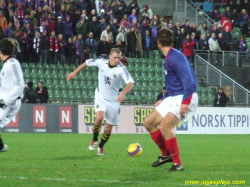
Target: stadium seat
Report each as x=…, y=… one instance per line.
x=25, y=66
x=46, y=66
x=32, y=66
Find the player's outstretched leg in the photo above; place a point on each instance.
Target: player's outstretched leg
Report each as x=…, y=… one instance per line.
x=150, y=123
x=3, y=147
x=96, y=130
x=167, y=125
x=105, y=137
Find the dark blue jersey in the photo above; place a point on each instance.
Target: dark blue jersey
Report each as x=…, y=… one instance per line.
x=180, y=78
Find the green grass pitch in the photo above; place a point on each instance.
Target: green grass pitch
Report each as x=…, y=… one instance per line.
x=51, y=160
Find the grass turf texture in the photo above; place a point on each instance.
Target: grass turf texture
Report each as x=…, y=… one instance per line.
x=51, y=160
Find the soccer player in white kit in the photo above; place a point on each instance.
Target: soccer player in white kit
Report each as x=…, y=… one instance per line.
x=11, y=86
x=108, y=94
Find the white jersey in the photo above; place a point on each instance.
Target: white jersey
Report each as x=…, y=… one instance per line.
x=110, y=79
x=11, y=82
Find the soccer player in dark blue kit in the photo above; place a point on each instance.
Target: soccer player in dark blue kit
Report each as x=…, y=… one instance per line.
x=180, y=103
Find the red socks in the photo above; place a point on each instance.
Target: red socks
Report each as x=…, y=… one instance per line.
x=173, y=149
x=160, y=142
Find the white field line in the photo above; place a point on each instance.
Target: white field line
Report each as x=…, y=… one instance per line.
x=66, y=179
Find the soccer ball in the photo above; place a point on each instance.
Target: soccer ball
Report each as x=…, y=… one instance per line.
x=134, y=149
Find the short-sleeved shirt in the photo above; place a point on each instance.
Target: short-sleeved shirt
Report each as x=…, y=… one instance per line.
x=110, y=78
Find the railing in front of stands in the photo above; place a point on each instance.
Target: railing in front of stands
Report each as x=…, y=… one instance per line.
x=225, y=58
x=214, y=77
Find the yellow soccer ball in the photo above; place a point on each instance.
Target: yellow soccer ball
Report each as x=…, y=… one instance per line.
x=134, y=149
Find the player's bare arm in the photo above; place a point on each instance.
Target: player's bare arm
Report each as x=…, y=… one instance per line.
x=158, y=102
x=122, y=95
x=73, y=74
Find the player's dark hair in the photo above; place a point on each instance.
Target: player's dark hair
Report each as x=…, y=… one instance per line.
x=41, y=83
x=6, y=47
x=165, y=37
x=115, y=50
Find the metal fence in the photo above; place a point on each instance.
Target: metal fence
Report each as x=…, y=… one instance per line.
x=225, y=58
x=182, y=6
x=214, y=77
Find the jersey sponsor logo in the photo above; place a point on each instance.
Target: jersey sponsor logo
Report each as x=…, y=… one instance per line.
x=97, y=106
x=165, y=71
x=107, y=80
x=114, y=75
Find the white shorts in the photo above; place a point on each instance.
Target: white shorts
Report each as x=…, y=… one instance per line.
x=173, y=105
x=111, y=109
x=9, y=112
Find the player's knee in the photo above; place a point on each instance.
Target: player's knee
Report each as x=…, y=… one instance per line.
x=165, y=128
x=108, y=129
x=147, y=123
x=99, y=119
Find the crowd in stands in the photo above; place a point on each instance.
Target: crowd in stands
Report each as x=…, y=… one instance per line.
x=71, y=31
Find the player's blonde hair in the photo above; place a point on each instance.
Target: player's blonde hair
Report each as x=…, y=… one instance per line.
x=115, y=50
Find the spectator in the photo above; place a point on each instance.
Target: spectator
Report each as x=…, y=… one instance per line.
x=30, y=95
x=82, y=5
x=114, y=28
x=195, y=31
x=246, y=29
x=220, y=99
x=155, y=18
x=227, y=35
x=60, y=26
x=107, y=32
x=14, y=20
x=101, y=16
x=70, y=51
x=92, y=14
x=243, y=17
x=53, y=47
x=131, y=40
x=188, y=47
x=91, y=43
x=36, y=48
x=51, y=23
x=187, y=27
x=132, y=16
x=154, y=34
x=112, y=5
x=119, y=10
x=102, y=26
x=32, y=18
x=215, y=30
x=242, y=47
x=110, y=17
x=222, y=42
x=216, y=15
x=133, y=5
x=146, y=9
x=68, y=27
x=110, y=43
x=103, y=48
x=42, y=93
x=138, y=43
x=146, y=17
x=162, y=94
x=124, y=22
x=82, y=28
x=214, y=47
x=193, y=38
x=94, y=28
x=177, y=31
x=225, y=22
x=120, y=46
x=86, y=54
x=146, y=44
x=246, y=5
x=181, y=37
x=238, y=7
x=208, y=7
x=144, y=27
x=228, y=13
x=61, y=49
x=79, y=49
x=44, y=46
x=203, y=44
x=122, y=37
x=3, y=21
x=206, y=29
x=8, y=32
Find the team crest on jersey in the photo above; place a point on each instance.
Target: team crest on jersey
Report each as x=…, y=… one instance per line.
x=114, y=75
x=107, y=80
x=97, y=106
x=165, y=71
